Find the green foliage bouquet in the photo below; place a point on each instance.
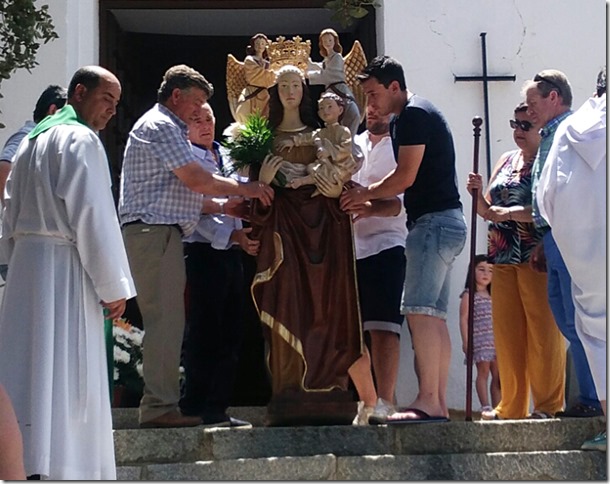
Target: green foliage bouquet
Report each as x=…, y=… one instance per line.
x=248, y=143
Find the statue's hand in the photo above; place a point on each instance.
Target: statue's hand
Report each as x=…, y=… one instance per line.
x=285, y=143
x=271, y=164
x=330, y=187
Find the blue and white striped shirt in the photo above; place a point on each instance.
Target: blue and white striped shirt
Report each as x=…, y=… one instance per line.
x=214, y=229
x=150, y=191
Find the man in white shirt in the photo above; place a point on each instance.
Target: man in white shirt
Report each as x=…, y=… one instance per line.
x=380, y=231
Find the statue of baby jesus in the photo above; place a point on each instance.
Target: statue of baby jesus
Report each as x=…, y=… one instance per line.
x=333, y=142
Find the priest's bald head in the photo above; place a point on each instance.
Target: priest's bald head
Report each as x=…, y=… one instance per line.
x=94, y=92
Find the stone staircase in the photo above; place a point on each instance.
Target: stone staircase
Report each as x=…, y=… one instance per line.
x=458, y=450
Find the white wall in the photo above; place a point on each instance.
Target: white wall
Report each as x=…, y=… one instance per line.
x=437, y=39
x=434, y=40
x=76, y=24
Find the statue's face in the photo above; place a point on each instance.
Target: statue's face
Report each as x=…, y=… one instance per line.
x=328, y=42
x=329, y=111
x=259, y=46
x=290, y=90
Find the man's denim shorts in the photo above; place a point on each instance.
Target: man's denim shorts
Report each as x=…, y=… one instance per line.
x=433, y=243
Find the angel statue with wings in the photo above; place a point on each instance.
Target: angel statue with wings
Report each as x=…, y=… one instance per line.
x=248, y=81
x=255, y=77
x=339, y=76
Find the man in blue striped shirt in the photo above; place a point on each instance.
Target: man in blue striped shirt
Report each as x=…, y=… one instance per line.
x=215, y=291
x=549, y=99
x=160, y=201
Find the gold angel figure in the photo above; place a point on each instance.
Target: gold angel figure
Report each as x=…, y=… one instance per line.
x=247, y=81
x=338, y=75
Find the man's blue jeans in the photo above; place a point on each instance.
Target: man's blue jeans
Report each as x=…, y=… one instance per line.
x=562, y=306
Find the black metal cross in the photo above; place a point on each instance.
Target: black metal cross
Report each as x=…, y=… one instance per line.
x=485, y=78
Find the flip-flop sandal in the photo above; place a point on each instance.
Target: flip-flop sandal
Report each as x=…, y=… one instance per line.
x=413, y=415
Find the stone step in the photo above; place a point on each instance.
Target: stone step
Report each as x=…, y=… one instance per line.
x=568, y=465
x=134, y=446
x=477, y=450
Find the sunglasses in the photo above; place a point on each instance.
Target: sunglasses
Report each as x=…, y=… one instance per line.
x=523, y=125
x=539, y=78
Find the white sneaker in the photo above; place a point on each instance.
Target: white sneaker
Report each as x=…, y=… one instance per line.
x=490, y=415
x=364, y=412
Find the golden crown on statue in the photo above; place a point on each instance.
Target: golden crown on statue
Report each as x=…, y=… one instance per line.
x=294, y=52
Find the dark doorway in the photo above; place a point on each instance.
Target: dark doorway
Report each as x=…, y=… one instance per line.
x=141, y=39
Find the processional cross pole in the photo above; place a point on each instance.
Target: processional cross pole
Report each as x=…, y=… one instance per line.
x=476, y=122
x=485, y=78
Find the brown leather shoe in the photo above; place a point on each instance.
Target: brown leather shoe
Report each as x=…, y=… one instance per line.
x=173, y=418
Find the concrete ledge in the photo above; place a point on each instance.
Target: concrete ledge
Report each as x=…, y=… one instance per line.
x=197, y=443
x=496, y=436
x=560, y=465
x=317, y=468
x=157, y=445
x=298, y=441
x=129, y=473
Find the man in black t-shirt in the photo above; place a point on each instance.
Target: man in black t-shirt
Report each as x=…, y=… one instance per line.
x=425, y=172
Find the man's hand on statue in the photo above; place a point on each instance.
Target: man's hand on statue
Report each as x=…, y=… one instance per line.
x=237, y=207
x=258, y=189
x=353, y=197
x=351, y=184
x=363, y=210
x=271, y=164
x=249, y=246
x=115, y=308
x=330, y=188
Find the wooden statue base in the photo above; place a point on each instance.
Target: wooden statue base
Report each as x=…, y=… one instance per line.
x=336, y=407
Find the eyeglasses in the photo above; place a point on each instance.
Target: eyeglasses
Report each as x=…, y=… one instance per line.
x=523, y=125
x=539, y=78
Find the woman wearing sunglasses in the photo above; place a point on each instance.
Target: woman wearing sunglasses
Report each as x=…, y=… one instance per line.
x=529, y=347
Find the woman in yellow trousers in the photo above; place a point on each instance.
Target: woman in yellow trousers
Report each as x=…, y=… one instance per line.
x=530, y=349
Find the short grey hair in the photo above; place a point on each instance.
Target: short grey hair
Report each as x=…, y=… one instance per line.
x=550, y=80
x=183, y=77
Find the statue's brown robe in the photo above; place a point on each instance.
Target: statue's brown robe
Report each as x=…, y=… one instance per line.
x=305, y=287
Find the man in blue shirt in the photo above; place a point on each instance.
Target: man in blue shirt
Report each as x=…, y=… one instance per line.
x=215, y=290
x=52, y=98
x=425, y=173
x=549, y=100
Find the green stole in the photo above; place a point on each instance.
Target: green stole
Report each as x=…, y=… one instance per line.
x=65, y=115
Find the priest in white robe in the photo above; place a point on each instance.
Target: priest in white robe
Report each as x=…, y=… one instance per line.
x=572, y=195
x=67, y=263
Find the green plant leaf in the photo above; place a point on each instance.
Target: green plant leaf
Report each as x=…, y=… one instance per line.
x=22, y=26
x=253, y=142
x=357, y=12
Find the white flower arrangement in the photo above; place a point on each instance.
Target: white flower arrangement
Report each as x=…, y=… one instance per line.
x=127, y=355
